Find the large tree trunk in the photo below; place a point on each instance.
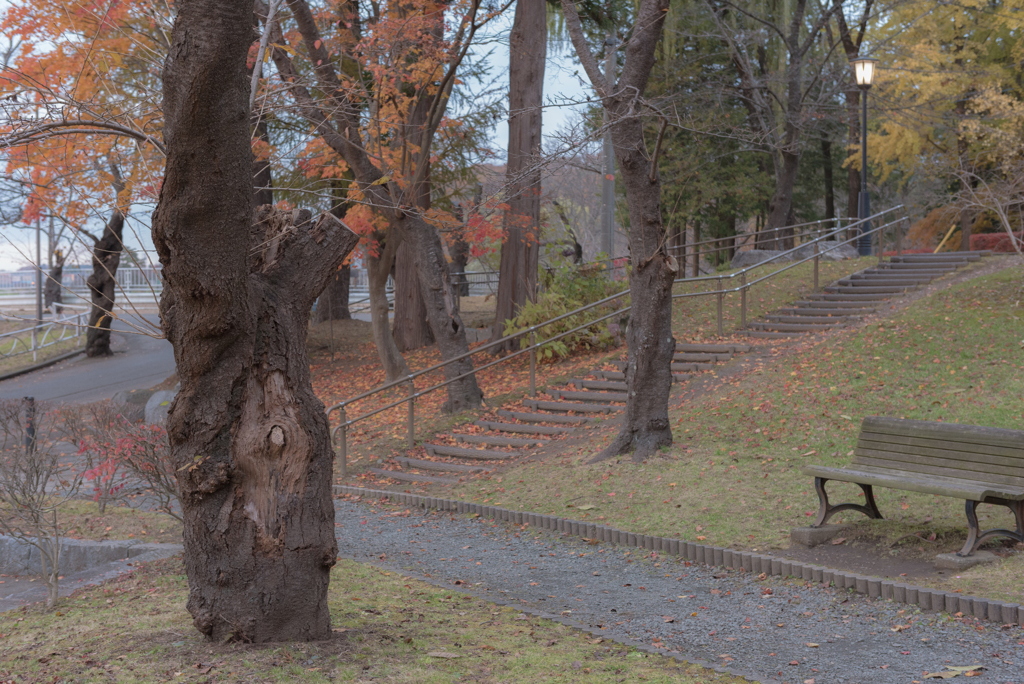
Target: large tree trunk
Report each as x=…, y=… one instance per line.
x=248, y=437
x=517, y=276
x=410, y=327
x=102, y=284
x=649, y=335
x=782, y=199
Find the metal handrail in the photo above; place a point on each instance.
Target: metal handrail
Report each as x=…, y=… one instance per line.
x=534, y=345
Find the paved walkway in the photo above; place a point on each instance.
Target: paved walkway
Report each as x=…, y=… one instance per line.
x=138, y=362
x=778, y=630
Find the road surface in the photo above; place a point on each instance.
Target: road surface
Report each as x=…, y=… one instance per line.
x=138, y=362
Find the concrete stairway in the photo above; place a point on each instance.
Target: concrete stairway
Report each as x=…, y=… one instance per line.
x=558, y=412
x=856, y=296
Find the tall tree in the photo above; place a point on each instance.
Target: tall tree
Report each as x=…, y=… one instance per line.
x=520, y=251
x=649, y=335
x=337, y=116
x=102, y=282
x=248, y=436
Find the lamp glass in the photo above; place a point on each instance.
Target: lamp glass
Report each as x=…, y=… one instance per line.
x=864, y=70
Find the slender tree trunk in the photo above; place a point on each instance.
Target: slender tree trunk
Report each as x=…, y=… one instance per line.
x=102, y=284
x=248, y=437
x=378, y=268
x=830, y=199
x=517, y=278
x=645, y=428
x=782, y=199
x=53, y=291
x=332, y=304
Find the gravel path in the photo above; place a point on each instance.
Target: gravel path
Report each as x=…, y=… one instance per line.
x=781, y=630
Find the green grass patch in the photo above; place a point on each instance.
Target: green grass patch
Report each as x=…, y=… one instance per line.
x=733, y=478
x=385, y=629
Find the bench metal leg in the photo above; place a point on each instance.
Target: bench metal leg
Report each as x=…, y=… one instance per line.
x=975, y=537
x=827, y=510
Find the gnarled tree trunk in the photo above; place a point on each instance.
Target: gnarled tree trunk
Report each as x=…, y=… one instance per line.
x=249, y=438
x=102, y=284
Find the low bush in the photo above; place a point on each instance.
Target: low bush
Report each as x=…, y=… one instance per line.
x=565, y=288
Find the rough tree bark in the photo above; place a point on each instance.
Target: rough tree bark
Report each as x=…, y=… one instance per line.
x=249, y=439
x=102, y=282
x=649, y=335
x=341, y=132
x=517, y=274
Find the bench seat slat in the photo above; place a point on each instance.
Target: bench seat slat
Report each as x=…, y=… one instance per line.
x=962, y=447
x=955, y=467
x=916, y=482
x=953, y=432
x=925, y=471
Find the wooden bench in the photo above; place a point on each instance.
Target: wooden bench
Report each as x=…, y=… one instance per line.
x=977, y=464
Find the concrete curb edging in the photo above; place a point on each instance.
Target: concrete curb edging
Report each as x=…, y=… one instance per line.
x=927, y=600
x=19, y=557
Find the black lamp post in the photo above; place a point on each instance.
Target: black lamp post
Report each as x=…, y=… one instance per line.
x=864, y=71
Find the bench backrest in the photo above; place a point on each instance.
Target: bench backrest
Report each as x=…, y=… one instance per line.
x=970, y=452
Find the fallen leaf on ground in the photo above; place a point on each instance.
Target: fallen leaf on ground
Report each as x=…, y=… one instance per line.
x=443, y=654
x=838, y=540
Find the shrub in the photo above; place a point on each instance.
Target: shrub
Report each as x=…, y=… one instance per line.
x=567, y=287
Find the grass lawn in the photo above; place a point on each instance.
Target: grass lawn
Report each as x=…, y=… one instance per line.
x=386, y=629
x=82, y=520
x=732, y=477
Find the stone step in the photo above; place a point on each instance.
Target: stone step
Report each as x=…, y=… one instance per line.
x=475, y=454
x=901, y=282
x=441, y=466
x=589, y=397
x=934, y=269
x=813, y=312
x=568, y=407
x=793, y=327
x=936, y=259
x=827, y=320
x=412, y=477
x=621, y=377
x=691, y=367
x=516, y=428
x=833, y=304
x=544, y=417
x=497, y=440
x=867, y=289
x=600, y=385
x=701, y=358
x=767, y=335
x=712, y=348
x=844, y=297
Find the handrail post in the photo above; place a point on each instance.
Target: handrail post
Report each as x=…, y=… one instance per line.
x=412, y=413
x=899, y=240
x=343, y=456
x=719, y=297
x=816, y=259
x=533, y=363
x=743, y=300
x=881, y=246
